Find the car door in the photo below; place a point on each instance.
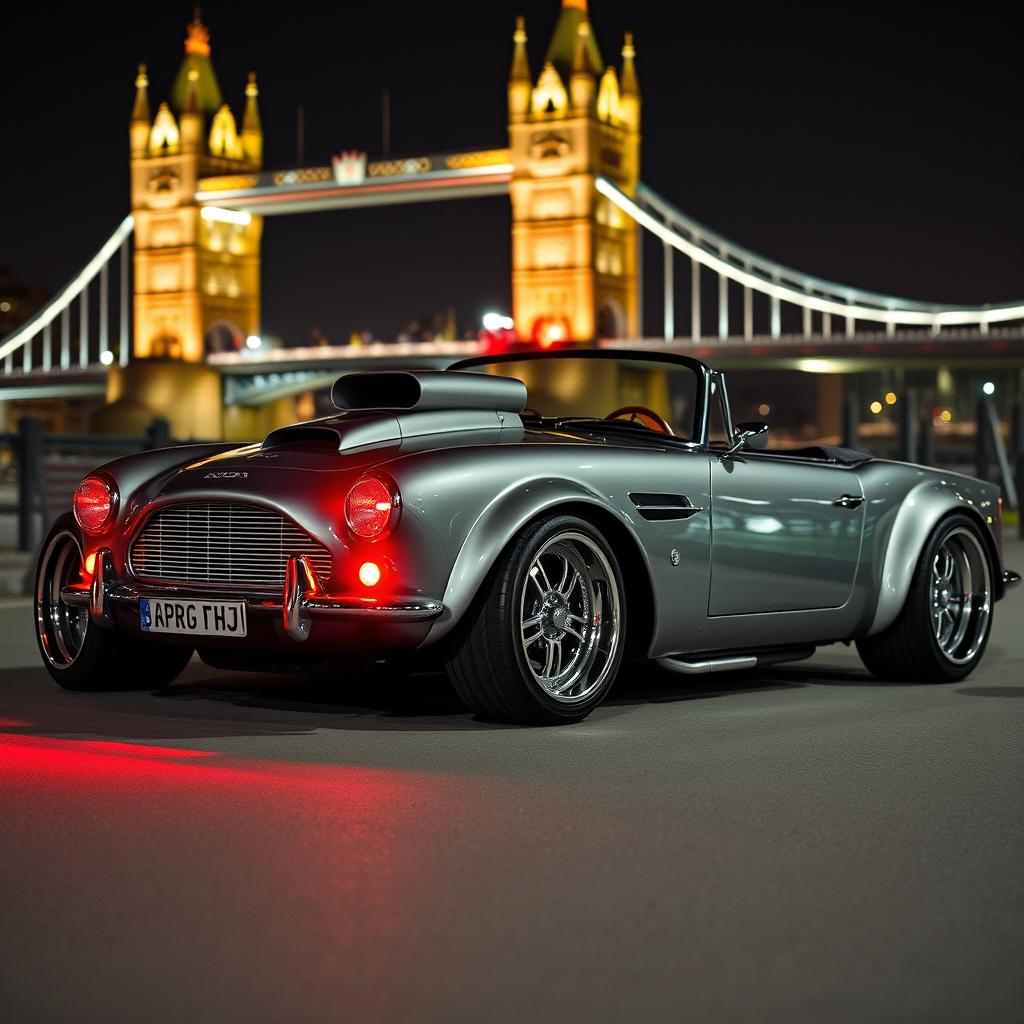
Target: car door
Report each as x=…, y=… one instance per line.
x=785, y=533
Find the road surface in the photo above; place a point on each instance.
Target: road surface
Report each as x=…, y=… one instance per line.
x=797, y=844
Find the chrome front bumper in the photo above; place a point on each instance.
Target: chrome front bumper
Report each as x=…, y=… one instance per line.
x=302, y=600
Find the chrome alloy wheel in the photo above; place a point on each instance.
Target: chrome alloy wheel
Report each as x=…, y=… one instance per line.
x=61, y=628
x=961, y=596
x=569, y=617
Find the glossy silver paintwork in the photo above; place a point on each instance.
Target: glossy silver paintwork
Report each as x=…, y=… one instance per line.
x=907, y=502
x=768, y=550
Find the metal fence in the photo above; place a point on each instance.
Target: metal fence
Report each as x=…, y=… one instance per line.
x=988, y=457
x=39, y=473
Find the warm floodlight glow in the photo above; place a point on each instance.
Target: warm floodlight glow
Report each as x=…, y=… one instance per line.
x=253, y=341
x=988, y=387
x=946, y=416
x=217, y=214
x=890, y=398
x=816, y=365
x=876, y=407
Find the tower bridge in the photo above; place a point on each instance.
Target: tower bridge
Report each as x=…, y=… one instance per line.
x=155, y=321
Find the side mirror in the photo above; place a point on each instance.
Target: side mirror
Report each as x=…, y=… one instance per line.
x=752, y=435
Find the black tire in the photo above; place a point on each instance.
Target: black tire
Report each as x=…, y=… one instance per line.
x=912, y=648
x=78, y=654
x=490, y=667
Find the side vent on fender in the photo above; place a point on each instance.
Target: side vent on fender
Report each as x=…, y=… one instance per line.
x=658, y=507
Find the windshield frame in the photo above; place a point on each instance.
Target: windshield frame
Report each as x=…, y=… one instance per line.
x=704, y=374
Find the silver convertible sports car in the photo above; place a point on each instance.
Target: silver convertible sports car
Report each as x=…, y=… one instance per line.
x=528, y=520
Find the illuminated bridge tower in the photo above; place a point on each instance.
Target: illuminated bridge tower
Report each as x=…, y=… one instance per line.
x=574, y=254
x=196, y=274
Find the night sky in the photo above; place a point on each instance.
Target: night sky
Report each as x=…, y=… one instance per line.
x=877, y=147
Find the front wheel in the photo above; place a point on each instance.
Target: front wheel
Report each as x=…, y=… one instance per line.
x=77, y=653
x=544, y=640
x=941, y=633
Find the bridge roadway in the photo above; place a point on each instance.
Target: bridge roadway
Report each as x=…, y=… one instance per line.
x=801, y=844
x=253, y=378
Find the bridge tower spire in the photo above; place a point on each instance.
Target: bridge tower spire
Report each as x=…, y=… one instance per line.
x=140, y=123
x=520, y=82
x=196, y=270
x=574, y=255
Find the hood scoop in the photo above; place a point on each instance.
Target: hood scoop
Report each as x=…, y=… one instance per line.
x=384, y=408
x=337, y=433
x=427, y=391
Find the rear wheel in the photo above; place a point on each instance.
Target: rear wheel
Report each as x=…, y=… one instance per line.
x=944, y=626
x=77, y=653
x=544, y=640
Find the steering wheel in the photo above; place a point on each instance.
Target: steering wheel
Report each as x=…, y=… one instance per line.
x=641, y=414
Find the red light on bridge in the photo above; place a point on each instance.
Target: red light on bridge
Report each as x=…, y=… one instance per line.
x=550, y=331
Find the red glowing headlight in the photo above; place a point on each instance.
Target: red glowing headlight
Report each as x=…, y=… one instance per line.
x=371, y=508
x=93, y=504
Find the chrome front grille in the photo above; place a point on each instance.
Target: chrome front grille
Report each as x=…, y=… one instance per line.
x=223, y=544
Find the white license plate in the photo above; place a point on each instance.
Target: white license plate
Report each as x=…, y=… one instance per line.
x=192, y=618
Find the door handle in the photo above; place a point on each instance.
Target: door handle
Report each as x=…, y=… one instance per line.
x=848, y=501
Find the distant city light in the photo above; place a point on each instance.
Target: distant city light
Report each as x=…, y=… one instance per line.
x=946, y=416
x=497, y=322
x=988, y=387
x=876, y=407
x=5, y=307
x=764, y=408
x=107, y=357
x=890, y=398
x=219, y=214
x=253, y=341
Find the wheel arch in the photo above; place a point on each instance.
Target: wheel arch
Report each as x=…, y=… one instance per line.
x=920, y=514
x=515, y=510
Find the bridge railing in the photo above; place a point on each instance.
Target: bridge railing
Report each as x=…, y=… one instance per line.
x=820, y=301
x=76, y=329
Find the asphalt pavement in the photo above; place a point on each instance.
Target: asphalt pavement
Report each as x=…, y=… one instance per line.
x=796, y=844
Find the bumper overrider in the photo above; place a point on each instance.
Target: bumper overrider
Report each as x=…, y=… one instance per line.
x=301, y=612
